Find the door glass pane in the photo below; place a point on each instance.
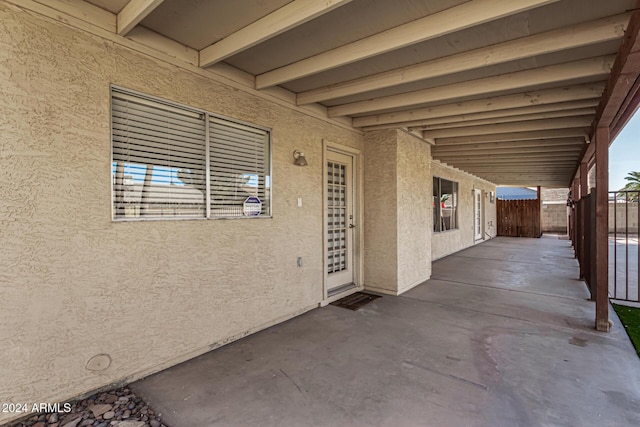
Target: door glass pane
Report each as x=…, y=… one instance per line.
x=336, y=217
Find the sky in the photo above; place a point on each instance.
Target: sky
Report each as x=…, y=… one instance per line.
x=624, y=153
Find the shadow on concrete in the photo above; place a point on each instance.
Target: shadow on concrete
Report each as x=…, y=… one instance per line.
x=502, y=335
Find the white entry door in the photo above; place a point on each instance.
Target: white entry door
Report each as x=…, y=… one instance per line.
x=340, y=225
x=478, y=213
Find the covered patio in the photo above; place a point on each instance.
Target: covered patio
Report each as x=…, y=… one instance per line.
x=182, y=174
x=502, y=335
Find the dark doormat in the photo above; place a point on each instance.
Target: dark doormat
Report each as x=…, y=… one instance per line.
x=355, y=301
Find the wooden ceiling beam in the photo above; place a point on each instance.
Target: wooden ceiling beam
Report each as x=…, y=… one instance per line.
x=627, y=110
x=571, y=37
x=542, y=161
x=287, y=17
x=510, y=119
x=511, y=160
x=620, y=98
x=524, y=172
x=562, y=109
x=516, y=171
x=560, y=149
x=582, y=122
x=534, y=143
x=593, y=68
x=519, y=171
x=566, y=166
x=626, y=70
x=466, y=15
x=525, y=178
x=529, y=181
x=515, y=136
x=134, y=12
x=522, y=177
x=492, y=107
x=517, y=166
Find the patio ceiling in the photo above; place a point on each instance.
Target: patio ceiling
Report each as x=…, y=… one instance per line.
x=505, y=89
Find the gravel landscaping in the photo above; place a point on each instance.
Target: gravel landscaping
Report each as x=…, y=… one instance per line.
x=119, y=407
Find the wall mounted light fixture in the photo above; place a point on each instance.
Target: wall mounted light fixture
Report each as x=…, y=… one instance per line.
x=299, y=159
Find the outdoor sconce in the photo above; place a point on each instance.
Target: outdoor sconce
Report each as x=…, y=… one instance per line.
x=298, y=158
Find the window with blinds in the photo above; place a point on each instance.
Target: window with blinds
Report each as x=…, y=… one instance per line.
x=171, y=161
x=239, y=167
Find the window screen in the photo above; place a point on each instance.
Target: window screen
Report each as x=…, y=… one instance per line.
x=160, y=161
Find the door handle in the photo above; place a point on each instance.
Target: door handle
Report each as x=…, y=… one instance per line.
x=352, y=226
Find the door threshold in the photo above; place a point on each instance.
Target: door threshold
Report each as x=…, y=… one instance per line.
x=340, y=289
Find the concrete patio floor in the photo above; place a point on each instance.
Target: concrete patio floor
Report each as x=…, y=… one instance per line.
x=502, y=335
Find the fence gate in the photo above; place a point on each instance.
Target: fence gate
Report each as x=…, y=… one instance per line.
x=519, y=218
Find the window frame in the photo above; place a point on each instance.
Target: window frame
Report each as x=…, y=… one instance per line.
x=437, y=208
x=115, y=89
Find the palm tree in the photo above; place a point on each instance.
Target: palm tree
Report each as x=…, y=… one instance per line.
x=632, y=185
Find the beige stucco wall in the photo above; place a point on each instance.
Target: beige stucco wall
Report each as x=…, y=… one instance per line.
x=380, y=211
x=414, y=211
x=448, y=242
x=397, y=211
x=74, y=284
x=554, y=217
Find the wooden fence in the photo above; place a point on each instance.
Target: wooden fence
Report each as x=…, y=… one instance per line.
x=519, y=218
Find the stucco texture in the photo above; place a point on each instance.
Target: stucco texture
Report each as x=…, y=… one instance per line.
x=397, y=211
x=448, y=242
x=380, y=211
x=149, y=294
x=414, y=211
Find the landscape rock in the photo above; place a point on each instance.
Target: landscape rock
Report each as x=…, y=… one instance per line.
x=99, y=409
x=73, y=423
x=131, y=424
x=116, y=408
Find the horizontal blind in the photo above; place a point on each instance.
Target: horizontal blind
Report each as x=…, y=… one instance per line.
x=158, y=159
x=239, y=158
